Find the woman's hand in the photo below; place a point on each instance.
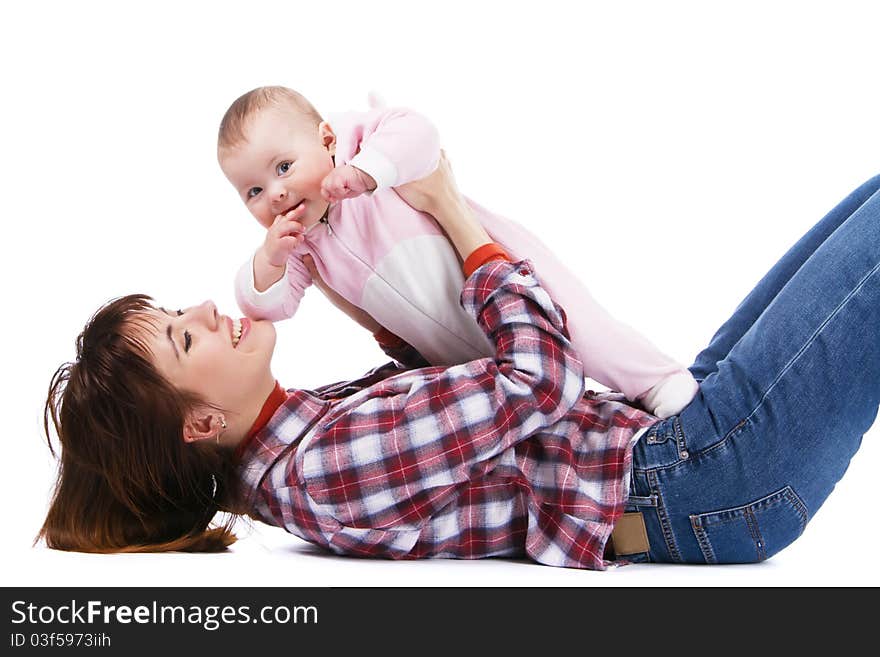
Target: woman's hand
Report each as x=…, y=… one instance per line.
x=438, y=195
x=357, y=314
x=433, y=191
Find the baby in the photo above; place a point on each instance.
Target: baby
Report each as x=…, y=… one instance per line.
x=325, y=190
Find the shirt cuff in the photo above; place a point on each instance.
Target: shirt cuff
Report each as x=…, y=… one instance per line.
x=483, y=254
x=377, y=166
x=271, y=296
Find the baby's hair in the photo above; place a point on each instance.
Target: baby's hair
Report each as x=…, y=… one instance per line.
x=234, y=122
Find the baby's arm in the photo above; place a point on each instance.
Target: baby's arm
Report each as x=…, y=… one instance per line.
x=281, y=299
x=392, y=147
x=271, y=284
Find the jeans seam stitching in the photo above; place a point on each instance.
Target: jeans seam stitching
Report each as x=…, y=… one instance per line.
x=768, y=501
x=663, y=517
x=811, y=339
x=702, y=537
x=694, y=458
x=742, y=423
x=754, y=530
x=784, y=496
x=798, y=505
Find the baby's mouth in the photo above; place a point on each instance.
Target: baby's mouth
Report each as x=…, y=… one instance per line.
x=294, y=207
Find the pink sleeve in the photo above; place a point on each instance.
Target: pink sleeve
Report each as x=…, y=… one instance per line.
x=394, y=146
x=277, y=302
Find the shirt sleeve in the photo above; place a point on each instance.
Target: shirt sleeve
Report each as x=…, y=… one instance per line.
x=398, y=452
x=396, y=146
x=281, y=300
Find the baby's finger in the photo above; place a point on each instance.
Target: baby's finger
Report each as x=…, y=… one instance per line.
x=337, y=185
x=289, y=243
x=328, y=190
x=287, y=221
x=297, y=211
x=289, y=226
x=328, y=180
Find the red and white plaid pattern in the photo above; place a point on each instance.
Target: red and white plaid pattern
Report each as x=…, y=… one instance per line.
x=489, y=458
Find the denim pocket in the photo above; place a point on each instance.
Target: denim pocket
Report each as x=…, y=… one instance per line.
x=752, y=532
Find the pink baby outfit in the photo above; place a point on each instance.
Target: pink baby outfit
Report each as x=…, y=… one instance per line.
x=396, y=264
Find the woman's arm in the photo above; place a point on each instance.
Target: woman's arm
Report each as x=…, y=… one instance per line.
x=438, y=195
x=395, y=454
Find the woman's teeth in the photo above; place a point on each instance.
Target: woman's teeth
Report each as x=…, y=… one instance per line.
x=236, y=332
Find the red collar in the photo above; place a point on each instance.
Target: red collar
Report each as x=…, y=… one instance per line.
x=277, y=397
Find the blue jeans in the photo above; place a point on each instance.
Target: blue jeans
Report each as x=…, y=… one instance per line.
x=788, y=386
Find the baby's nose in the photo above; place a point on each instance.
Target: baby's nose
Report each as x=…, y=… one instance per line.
x=279, y=192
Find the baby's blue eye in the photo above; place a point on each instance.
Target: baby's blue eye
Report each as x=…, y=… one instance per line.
x=253, y=191
x=283, y=167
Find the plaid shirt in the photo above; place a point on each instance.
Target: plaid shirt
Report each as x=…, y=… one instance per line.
x=488, y=458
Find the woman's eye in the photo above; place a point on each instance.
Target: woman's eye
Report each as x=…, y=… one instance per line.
x=187, y=341
x=283, y=167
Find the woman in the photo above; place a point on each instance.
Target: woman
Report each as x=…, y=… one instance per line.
x=168, y=416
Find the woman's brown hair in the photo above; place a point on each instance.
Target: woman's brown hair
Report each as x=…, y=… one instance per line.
x=127, y=481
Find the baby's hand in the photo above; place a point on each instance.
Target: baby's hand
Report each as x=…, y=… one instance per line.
x=346, y=182
x=283, y=236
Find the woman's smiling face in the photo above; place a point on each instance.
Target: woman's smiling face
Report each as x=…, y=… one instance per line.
x=203, y=352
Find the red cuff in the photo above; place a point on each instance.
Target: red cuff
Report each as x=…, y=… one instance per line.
x=387, y=339
x=483, y=254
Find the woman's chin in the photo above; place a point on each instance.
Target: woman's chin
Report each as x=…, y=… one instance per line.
x=267, y=336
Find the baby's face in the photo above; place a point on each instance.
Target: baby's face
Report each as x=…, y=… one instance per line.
x=280, y=165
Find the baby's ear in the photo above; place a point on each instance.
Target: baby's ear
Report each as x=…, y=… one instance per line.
x=327, y=137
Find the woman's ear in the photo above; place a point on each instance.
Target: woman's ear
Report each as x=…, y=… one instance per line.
x=327, y=137
x=201, y=425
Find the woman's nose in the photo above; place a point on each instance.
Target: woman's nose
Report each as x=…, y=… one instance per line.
x=207, y=312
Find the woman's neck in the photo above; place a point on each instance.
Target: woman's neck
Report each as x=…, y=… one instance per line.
x=239, y=423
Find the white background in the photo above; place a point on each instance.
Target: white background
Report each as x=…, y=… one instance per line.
x=669, y=152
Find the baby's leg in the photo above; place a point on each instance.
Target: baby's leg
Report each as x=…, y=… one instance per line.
x=773, y=282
